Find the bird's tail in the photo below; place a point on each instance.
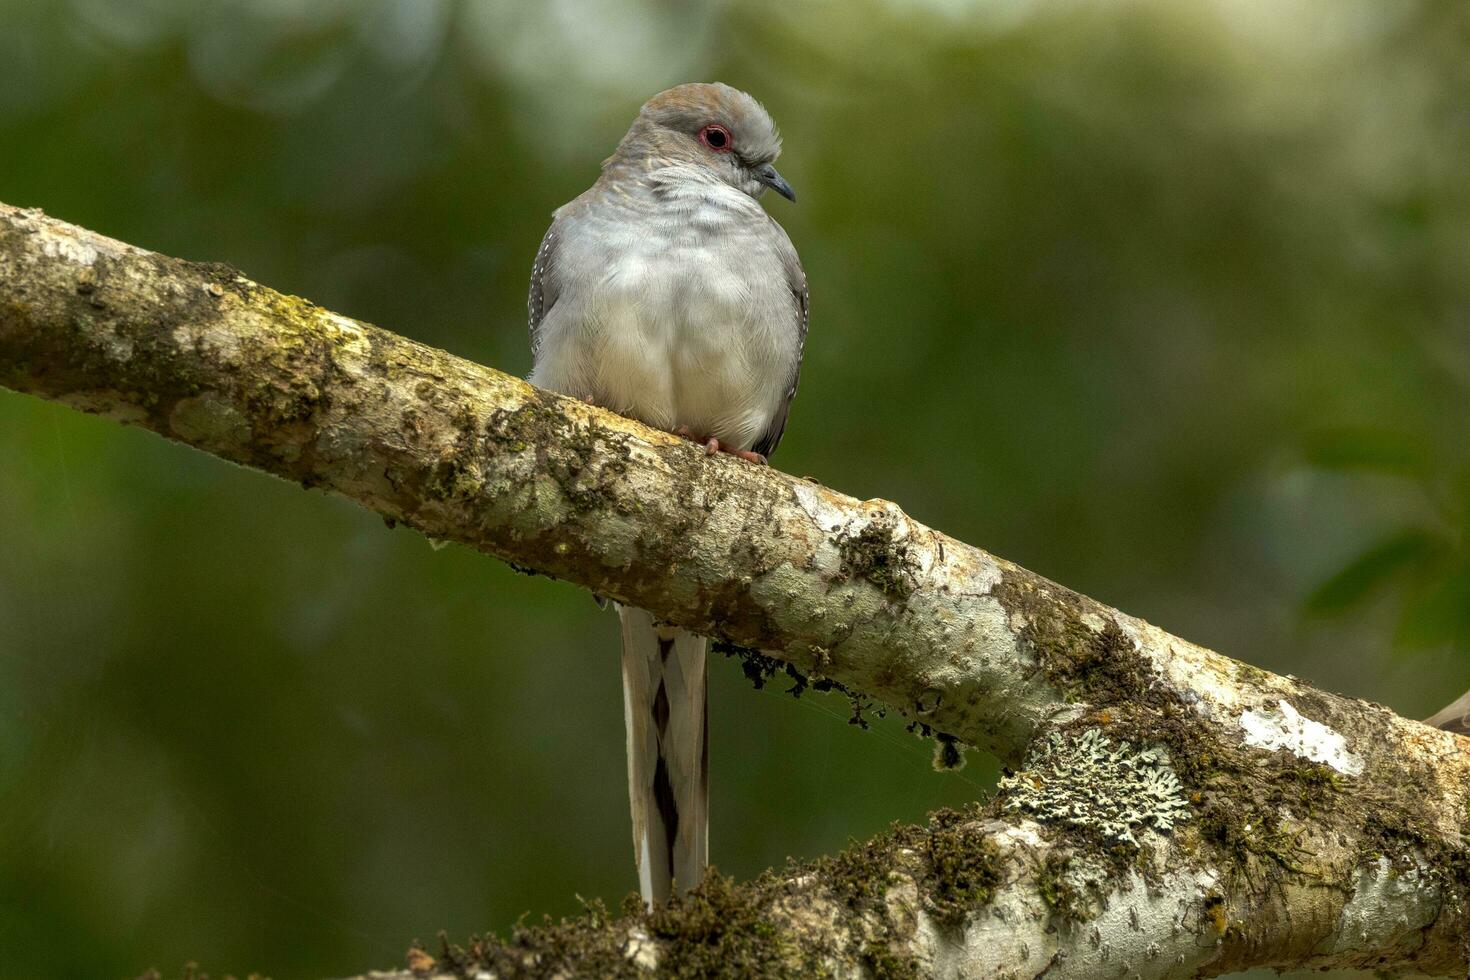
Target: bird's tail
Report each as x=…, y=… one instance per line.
x=1455, y=717
x=664, y=700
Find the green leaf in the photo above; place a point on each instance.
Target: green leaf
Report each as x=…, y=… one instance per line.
x=1373, y=568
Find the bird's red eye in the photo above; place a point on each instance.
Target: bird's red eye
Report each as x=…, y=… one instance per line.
x=716, y=137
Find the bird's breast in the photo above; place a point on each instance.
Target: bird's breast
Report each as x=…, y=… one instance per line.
x=688, y=322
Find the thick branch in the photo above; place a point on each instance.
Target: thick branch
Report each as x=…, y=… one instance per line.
x=1177, y=813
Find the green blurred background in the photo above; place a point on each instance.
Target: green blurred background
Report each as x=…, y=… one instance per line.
x=1167, y=301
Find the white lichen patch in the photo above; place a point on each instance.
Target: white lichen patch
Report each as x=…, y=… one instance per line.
x=1283, y=727
x=1092, y=781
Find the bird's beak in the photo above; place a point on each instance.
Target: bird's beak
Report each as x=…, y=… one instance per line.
x=767, y=175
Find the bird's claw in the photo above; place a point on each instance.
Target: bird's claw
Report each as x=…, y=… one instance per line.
x=713, y=446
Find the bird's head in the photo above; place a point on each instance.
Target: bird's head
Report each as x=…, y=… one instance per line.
x=713, y=127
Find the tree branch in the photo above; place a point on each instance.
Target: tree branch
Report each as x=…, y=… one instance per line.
x=1175, y=813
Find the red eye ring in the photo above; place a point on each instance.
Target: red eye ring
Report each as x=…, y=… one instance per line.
x=716, y=137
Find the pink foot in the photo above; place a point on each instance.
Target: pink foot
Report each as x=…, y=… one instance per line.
x=713, y=445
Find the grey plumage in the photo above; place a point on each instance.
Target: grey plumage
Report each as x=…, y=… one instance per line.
x=666, y=293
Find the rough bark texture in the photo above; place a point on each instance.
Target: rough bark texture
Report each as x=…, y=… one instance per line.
x=1173, y=812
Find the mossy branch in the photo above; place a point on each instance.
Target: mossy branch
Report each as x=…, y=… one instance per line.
x=1173, y=812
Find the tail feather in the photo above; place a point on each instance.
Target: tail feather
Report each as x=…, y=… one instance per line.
x=664, y=697
x=1454, y=717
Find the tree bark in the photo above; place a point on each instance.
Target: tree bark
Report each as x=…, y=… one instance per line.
x=1172, y=813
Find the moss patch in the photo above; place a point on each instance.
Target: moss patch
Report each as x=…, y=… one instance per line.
x=963, y=868
x=753, y=929
x=1060, y=889
x=875, y=555
x=886, y=964
x=1098, y=665
x=719, y=929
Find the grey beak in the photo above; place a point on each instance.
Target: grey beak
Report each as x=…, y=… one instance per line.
x=767, y=175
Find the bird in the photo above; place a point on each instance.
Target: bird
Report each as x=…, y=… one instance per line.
x=666, y=293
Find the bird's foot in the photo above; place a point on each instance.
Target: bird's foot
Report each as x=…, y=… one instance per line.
x=713, y=445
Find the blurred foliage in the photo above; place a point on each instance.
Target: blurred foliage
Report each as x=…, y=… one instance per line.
x=1427, y=561
x=1166, y=300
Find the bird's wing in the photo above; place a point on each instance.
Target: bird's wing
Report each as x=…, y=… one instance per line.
x=796, y=282
x=544, y=286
